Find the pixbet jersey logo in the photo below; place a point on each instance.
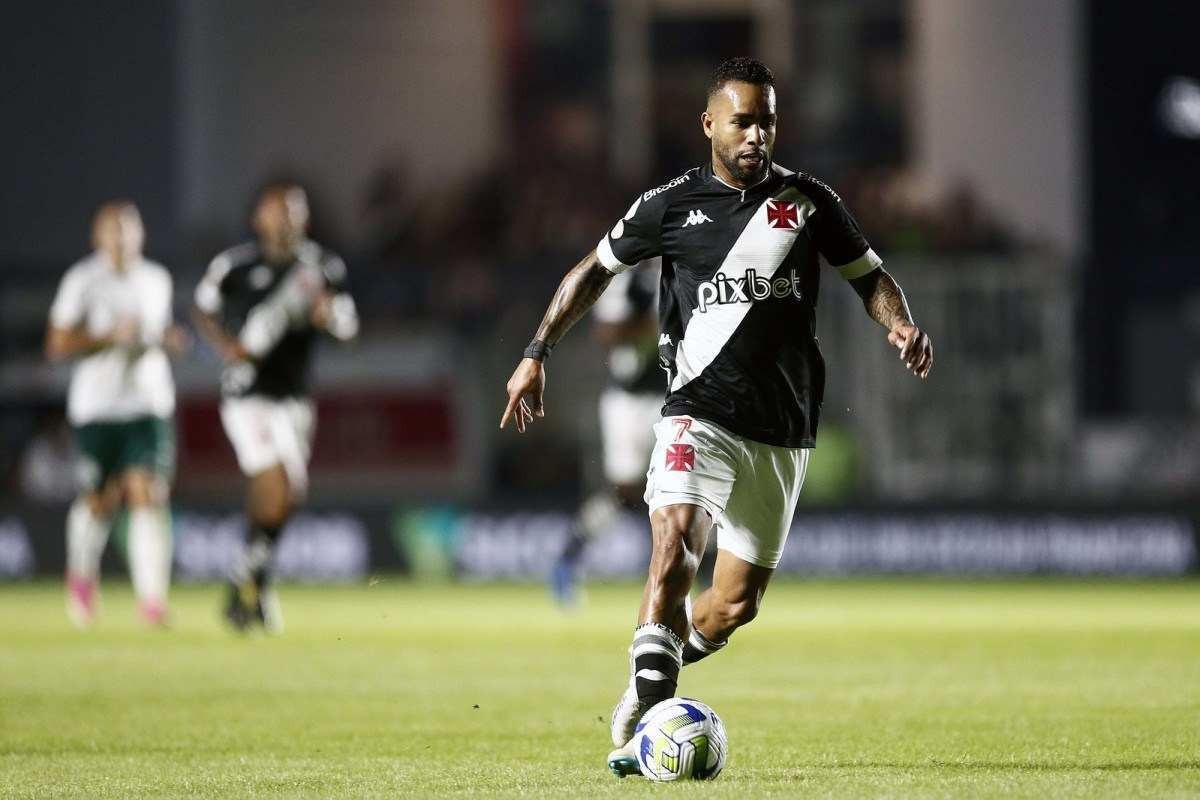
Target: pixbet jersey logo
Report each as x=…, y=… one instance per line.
x=723, y=290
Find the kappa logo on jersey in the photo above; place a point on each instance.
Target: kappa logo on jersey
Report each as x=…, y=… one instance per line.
x=782, y=214
x=724, y=290
x=696, y=217
x=681, y=457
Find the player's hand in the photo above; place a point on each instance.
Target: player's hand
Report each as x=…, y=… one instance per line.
x=231, y=350
x=177, y=341
x=525, y=389
x=125, y=332
x=916, y=350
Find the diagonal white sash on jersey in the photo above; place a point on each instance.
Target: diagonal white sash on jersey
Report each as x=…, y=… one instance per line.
x=760, y=247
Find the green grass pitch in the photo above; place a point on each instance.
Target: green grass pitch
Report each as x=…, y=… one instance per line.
x=840, y=689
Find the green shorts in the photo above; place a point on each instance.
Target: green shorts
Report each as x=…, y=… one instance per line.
x=106, y=449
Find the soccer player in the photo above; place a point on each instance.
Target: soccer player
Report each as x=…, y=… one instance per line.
x=261, y=305
x=739, y=239
x=112, y=312
x=629, y=408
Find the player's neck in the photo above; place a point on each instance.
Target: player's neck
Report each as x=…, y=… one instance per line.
x=726, y=177
x=118, y=262
x=277, y=253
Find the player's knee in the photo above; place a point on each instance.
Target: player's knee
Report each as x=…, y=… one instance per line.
x=101, y=503
x=144, y=490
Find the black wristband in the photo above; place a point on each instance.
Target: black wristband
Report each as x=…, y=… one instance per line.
x=538, y=350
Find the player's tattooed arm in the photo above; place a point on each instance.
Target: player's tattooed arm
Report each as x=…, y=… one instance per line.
x=579, y=290
x=885, y=303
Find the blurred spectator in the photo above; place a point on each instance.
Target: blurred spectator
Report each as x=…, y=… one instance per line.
x=47, y=469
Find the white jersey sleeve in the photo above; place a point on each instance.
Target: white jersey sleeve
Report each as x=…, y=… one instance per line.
x=156, y=309
x=69, y=307
x=208, y=291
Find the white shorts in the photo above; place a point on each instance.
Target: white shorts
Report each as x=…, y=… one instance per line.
x=627, y=421
x=266, y=431
x=749, y=488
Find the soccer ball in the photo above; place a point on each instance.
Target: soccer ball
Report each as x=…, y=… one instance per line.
x=679, y=739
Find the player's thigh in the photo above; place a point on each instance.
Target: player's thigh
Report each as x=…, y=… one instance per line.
x=627, y=423
x=147, y=458
x=679, y=523
x=693, y=463
x=98, y=446
x=759, y=513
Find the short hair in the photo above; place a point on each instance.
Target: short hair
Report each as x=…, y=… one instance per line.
x=743, y=70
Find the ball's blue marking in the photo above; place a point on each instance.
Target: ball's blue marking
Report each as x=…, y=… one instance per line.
x=644, y=750
x=696, y=714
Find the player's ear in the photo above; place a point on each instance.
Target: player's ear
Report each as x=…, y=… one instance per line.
x=706, y=122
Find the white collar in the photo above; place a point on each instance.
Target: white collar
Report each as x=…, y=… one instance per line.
x=766, y=176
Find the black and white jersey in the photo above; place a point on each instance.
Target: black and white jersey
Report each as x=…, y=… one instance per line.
x=268, y=306
x=737, y=302
x=633, y=364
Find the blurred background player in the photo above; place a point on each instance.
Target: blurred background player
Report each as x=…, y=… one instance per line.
x=113, y=313
x=625, y=323
x=261, y=305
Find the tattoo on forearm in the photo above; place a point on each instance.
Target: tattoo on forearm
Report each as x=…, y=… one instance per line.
x=579, y=290
x=883, y=299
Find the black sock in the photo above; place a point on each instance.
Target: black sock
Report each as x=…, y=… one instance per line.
x=263, y=537
x=656, y=662
x=255, y=561
x=699, y=646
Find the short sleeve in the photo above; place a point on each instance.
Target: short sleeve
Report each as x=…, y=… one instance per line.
x=208, y=296
x=839, y=238
x=157, y=313
x=68, y=308
x=636, y=236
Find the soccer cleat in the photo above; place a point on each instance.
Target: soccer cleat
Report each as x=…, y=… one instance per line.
x=623, y=761
x=244, y=609
x=153, y=613
x=81, y=600
x=626, y=715
x=249, y=606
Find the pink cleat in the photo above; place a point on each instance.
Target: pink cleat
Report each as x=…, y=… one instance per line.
x=81, y=600
x=153, y=613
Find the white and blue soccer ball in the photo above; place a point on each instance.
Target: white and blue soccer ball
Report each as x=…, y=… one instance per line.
x=679, y=739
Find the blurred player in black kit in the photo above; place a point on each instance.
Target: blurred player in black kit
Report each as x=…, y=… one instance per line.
x=741, y=240
x=625, y=324
x=261, y=305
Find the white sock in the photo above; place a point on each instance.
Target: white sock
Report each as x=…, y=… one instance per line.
x=87, y=534
x=150, y=554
